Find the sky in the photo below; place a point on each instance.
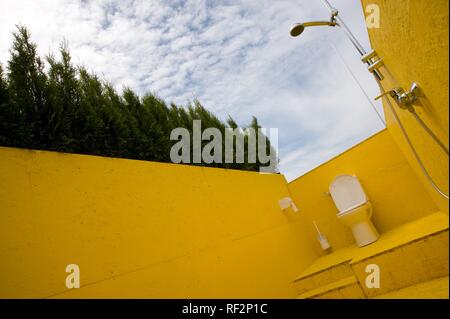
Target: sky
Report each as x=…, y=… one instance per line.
x=236, y=57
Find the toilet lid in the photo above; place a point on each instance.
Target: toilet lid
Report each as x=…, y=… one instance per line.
x=347, y=192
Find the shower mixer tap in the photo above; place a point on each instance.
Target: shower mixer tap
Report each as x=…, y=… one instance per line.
x=405, y=100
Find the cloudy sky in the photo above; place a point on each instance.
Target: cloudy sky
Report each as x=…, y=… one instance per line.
x=235, y=56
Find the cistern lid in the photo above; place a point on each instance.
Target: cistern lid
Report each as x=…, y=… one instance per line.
x=347, y=192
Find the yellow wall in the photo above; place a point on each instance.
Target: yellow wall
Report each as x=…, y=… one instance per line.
x=144, y=230
x=413, y=42
x=391, y=185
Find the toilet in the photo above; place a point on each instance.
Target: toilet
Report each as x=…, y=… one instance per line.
x=355, y=209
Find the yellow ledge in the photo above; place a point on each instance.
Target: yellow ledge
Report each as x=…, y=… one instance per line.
x=340, y=284
x=433, y=289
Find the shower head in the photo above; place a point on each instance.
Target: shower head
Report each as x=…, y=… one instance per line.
x=298, y=29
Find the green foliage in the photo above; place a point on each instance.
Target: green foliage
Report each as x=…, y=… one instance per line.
x=60, y=107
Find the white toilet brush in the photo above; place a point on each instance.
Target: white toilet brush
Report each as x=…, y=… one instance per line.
x=322, y=238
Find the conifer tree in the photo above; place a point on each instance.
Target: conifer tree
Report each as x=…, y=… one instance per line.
x=27, y=84
x=69, y=109
x=6, y=116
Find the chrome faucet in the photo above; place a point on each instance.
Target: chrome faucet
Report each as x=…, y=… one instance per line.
x=405, y=100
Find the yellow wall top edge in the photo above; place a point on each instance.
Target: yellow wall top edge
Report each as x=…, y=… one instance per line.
x=191, y=166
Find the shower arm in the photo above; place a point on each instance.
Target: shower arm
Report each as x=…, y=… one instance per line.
x=366, y=57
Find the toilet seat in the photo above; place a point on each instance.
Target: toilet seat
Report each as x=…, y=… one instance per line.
x=349, y=210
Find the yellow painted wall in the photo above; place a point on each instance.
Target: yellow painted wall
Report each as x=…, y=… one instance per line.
x=144, y=230
x=413, y=42
x=391, y=185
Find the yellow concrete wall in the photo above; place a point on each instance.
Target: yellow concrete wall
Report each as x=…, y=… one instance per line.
x=393, y=188
x=144, y=230
x=413, y=42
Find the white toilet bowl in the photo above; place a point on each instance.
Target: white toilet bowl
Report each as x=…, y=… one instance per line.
x=355, y=209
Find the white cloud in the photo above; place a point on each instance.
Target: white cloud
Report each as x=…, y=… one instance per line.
x=235, y=56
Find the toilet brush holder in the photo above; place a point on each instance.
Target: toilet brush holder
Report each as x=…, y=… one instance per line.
x=323, y=241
